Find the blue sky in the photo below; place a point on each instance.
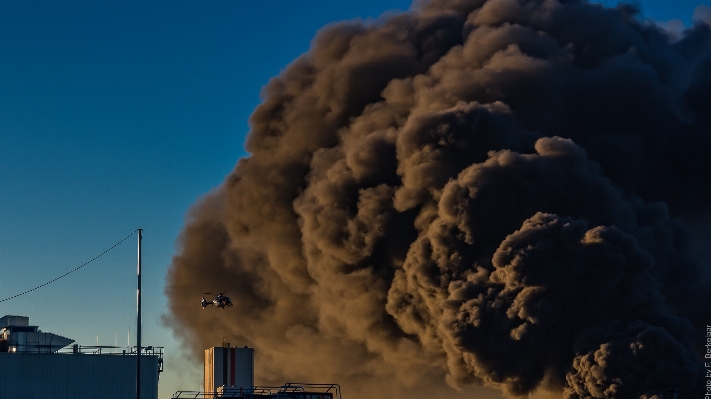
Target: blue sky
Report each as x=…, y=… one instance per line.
x=116, y=115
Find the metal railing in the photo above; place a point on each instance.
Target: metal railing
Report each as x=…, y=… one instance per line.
x=115, y=351
x=112, y=350
x=317, y=388
x=291, y=390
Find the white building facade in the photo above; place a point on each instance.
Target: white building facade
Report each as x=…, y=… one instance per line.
x=38, y=365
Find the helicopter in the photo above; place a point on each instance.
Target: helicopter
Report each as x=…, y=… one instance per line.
x=220, y=301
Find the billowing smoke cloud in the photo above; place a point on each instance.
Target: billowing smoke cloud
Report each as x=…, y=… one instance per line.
x=478, y=192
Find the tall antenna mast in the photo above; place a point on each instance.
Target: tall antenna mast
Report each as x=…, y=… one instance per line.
x=138, y=320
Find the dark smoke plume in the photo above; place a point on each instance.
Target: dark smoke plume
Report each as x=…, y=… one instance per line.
x=504, y=193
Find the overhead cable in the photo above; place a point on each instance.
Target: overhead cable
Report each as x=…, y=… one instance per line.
x=73, y=270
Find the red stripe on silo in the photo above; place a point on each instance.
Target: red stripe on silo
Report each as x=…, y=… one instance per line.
x=232, y=366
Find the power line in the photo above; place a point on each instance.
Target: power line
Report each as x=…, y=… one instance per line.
x=73, y=270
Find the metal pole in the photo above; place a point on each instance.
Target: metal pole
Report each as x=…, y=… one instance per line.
x=138, y=320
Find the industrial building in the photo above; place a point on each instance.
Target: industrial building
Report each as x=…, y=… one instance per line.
x=227, y=366
x=229, y=373
x=41, y=365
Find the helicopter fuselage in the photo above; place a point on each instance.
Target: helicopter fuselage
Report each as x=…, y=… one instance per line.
x=220, y=301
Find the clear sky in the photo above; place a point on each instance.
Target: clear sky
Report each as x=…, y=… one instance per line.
x=117, y=115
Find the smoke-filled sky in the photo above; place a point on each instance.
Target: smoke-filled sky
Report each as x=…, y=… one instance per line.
x=474, y=192
x=502, y=194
